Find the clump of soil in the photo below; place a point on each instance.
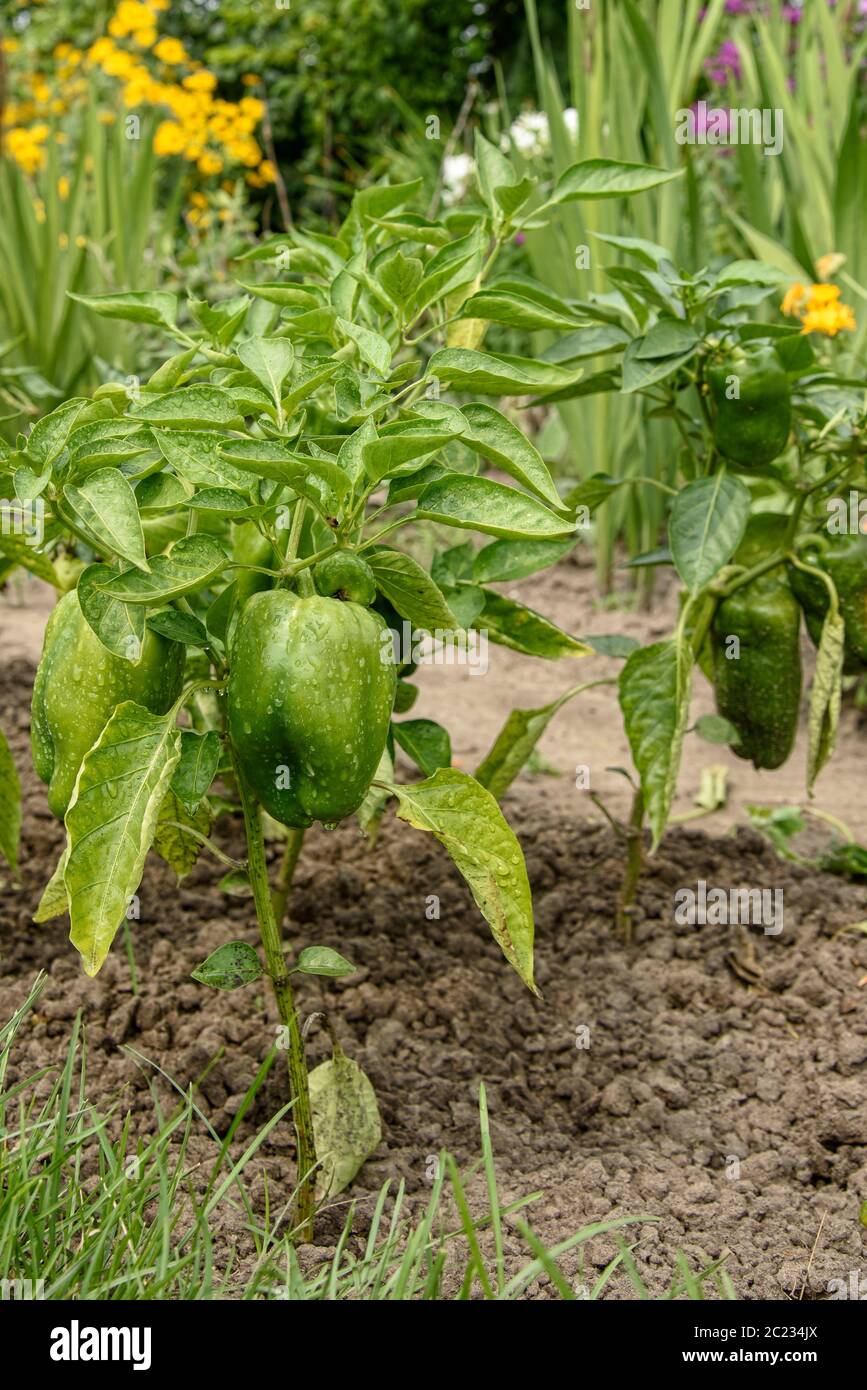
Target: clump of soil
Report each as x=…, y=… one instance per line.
x=713, y=1077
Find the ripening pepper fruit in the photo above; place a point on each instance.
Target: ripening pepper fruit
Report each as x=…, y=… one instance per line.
x=760, y=690
x=310, y=696
x=345, y=576
x=752, y=405
x=79, y=683
x=844, y=559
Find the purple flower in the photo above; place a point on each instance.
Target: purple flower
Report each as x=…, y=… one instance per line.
x=725, y=62
x=793, y=13
x=738, y=6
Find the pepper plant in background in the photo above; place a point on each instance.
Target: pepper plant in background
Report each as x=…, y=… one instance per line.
x=233, y=517
x=766, y=520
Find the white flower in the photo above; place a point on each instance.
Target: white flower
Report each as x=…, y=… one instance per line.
x=530, y=134
x=570, y=120
x=458, y=169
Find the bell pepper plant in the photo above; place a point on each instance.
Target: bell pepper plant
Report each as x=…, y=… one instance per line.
x=224, y=533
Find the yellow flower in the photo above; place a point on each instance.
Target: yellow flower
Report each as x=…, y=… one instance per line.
x=39, y=209
x=106, y=118
x=249, y=79
x=10, y=45
x=792, y=299
x=209, y=163
x=829, y=264
x=145, y=38
x=131, y=17
x=829, y=320
x=63, y=188
x=99, y=51
x=252, y=107
x=200, y=82
x=81, y=242
x=63, y=241
x=169, y=138
x=171, y=52
x=198, y=200
x=267, y=172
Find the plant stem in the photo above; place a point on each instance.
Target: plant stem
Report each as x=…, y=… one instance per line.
x=634, y=861
x=282, y=987
x=280, y=896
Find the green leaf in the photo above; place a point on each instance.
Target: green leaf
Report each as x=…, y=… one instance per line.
x=111, y=823
x=10, y=806
x=372, y=347
x=195, y=455
x=400, y=276
x=479, y=504
x=824, y=713
x=453, y=266
x=269, y=458
x=655, y=688
x=517, y=311
x=346, y=1123
x=467, y=821
x=54, y=901
x=713, y=728
x=410, y=590
x=706, y=526
x=489, y=433
x=404, y=698
x=493, y=171
x=400, y=447
x=105, y=506
x=171, y=841
x=751, y=273
x=484, y=374
x=220, y=321
x=512, y=196
x=639, y=371
x=503, y=561
x=200, y=758
x=270, y=360
x=608, y=178
x=180, y=627
x=230, y=967
x=669, y=337
x=119, y=627
x=47, y=439
x=190, y=408
x=512, y=624
x=321, y=960
x=516, y=741
x=144, y=306
x=615, y=644
x=190, y=564
x=427, y=743
x=351, y=456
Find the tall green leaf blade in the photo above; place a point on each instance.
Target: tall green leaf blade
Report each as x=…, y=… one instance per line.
x=824, y=714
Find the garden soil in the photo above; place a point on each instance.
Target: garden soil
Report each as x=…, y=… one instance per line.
x=712, y=1078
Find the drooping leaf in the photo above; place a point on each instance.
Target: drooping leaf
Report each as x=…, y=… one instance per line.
x=346, y=1124
x=321, y=960
x=465, y=818
x=655, y=687
x=513, y=624
x=824, y=713
x=111, y=823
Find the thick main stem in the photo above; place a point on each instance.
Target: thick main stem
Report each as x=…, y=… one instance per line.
x=282, y=986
